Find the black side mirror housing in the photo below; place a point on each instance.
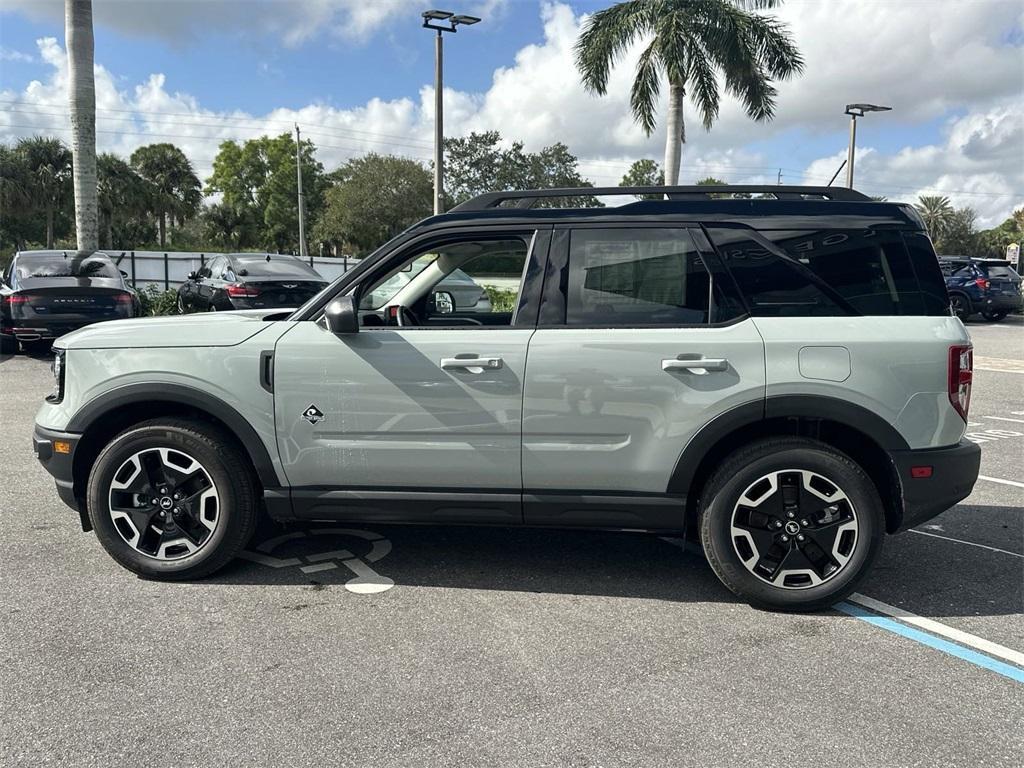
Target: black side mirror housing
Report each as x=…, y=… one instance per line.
x=342, y=316
x=192, y=275
x=123, y=273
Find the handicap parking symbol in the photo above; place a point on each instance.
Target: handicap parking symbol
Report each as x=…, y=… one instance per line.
x=366, y=580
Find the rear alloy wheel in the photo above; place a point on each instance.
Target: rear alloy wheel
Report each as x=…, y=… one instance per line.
x=791, y=524
x=961, y=306
x=994, y=317
x=172, y=499
x=181, y=306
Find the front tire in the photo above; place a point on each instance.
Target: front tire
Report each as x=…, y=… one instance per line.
x=791, y=524
x=172, y=499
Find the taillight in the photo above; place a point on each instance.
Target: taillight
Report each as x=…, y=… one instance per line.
x=18, y=298
x=241, y=290
x=982, y=283
x=961, y=374
x=122, y=298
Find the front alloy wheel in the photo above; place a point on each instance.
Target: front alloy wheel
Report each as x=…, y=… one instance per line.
x=163, y=503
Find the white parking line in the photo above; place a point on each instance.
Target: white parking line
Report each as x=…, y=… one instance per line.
x=969, y=543
x=1003, y=418
x=937, y=628
x=1000, y=480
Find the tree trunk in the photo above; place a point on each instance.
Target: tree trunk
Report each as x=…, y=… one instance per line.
x=163, y=228
x=82, y=98
x=49, y=226
x=676, y=134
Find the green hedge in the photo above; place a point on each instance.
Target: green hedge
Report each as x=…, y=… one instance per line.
x=157, y=302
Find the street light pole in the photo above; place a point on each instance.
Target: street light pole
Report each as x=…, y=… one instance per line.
x=855, y=111
x=302, y=198
x=441, y=21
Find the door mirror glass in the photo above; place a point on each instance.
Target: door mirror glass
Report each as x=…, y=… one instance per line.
x=341, y=315
x=444, y=303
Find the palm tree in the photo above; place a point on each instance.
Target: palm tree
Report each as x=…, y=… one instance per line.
x=16, y=218
x=121, y=192
x=82, y=98
x=48, y=164
x=174, y=188
x=937, y=212
x=693, y=43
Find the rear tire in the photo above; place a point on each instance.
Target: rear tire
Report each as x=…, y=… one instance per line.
x=172, y=499
x=770, y=493
x=8, y=345
x=994, y=317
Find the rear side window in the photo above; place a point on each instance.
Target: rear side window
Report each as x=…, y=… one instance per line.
x=929, y=276
x=864, y=272
x=639, y=277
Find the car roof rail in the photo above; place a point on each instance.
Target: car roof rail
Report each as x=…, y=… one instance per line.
x=525, y=198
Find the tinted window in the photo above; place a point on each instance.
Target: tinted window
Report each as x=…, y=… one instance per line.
x=56, y=265
x=258, y=266
x=929, y=276
x=1002, y=271
x=637, y=277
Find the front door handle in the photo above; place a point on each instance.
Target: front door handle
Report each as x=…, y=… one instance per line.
x=471, y=364
x=698, y=365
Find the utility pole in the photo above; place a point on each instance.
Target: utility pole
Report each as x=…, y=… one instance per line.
x=441, y=21
x=302, y=198
x=779, y=182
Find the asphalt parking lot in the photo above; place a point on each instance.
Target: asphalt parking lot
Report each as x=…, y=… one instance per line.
x=392, y=646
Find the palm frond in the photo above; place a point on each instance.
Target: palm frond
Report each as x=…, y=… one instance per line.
x=775, y=51
x=703, y=85
x=606, y=36
x=643, y=97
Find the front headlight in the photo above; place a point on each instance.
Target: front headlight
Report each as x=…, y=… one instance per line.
x=58, y=367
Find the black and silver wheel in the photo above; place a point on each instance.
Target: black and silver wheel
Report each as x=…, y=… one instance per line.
x=791, y=524
x=181, y=306
x=172, y=499
x=961, y=306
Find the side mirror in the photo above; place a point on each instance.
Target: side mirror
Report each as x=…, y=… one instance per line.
x=191, y=275
x=124, y=274
x=341, y=315
x=444, y=303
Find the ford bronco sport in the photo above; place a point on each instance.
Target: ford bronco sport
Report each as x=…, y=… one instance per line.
x=780, y=375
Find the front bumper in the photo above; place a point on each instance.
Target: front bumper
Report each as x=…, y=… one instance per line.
x=954, y=471
x=56, y=452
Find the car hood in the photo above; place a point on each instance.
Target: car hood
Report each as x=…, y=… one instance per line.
x=214, y=329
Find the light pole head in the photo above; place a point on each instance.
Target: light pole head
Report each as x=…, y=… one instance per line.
x=859, y=110
x=446, y=21
x=465, y=20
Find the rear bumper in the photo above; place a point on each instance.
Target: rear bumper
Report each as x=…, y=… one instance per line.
x=59, y=463
x=45, y=330
x=1001, y=302
x=954, y=473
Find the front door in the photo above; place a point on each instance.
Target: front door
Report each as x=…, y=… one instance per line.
x=419, y=421
x=647, y=345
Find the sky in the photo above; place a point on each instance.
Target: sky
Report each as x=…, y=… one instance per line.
x=357, y=75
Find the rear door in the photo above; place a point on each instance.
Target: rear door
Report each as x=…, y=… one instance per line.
x=641, y=342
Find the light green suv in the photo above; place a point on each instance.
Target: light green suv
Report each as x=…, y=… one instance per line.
x=779, y=375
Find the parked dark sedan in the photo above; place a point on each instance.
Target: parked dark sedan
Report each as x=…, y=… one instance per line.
x=249, y=281
x=989, y=286
x=45, y=294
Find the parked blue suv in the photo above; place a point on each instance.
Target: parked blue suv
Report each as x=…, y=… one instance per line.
x=988, y=286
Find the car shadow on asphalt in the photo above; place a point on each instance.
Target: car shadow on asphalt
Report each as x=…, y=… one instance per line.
x=917, y=573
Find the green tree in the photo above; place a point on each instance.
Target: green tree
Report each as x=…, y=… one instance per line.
x=230, y=225
x=644, y=173
x=48, y=164
x=122, y=195
x=959, y=234
x=697, y=46
x=992, y=242
x=258, y=178
x=82, y=99
x=936, y=211
x=478, y=163
x=374, y=198
x=173, y=189
x=18, y=224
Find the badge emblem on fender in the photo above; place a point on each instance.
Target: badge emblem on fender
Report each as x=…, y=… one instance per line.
x=312, y=414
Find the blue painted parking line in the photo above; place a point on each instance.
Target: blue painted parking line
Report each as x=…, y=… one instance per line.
x=978, y=659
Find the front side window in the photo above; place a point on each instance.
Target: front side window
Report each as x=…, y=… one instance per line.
x=638, y=277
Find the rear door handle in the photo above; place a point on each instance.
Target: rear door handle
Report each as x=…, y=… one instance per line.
x=700, y=364
x=471, y=364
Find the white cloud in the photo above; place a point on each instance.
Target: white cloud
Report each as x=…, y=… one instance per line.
x=7, y=54
x=930, y=60
x=294, y=21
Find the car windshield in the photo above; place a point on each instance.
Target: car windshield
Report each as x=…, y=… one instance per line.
x=258, y=266
x=59, y=265
x=387, y=290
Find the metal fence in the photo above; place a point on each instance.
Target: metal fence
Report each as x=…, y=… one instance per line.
x=169, y=269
